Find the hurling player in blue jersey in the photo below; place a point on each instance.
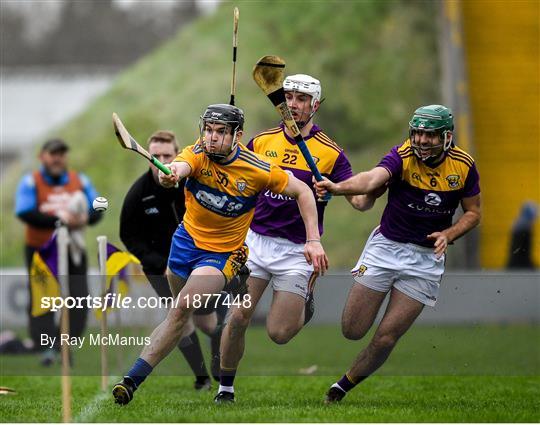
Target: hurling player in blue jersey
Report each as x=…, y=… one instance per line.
x=428, y=177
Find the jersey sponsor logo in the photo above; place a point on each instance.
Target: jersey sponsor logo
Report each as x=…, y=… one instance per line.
x=430, y=210
x=453, y=181
x=207, y=173
x=433, y=199
x=151, y=211
x=292, y=151
x=271, y=154
x=218, y=203
x=211, y=199
x=221, y=203
x=416, y=176
x=269, y=194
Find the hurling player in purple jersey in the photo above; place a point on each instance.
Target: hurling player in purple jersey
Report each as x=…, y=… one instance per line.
x=428, y=177
x=277, y=238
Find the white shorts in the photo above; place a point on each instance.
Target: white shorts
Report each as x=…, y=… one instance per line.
x=412, y=269
x=279, y=261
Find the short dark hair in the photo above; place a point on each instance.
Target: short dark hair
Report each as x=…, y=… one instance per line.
x=163, y=136
x=55, y=145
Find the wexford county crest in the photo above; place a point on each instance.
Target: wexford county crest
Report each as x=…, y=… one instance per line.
x=241, y=185
x=360, y=271
x=453, y=181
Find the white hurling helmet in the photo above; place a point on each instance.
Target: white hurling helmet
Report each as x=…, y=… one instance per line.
x=303, y=83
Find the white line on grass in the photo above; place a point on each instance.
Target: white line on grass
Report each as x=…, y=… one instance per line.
x=92, y=408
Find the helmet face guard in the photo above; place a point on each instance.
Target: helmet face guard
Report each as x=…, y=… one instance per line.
x=302, y=83
x=432, y=119
x=233, y=120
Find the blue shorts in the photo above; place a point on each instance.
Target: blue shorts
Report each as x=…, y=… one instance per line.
x=186, y=257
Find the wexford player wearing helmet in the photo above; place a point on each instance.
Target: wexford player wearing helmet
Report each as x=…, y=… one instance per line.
x=428, y=176
x=208, y=250
x=276, y=237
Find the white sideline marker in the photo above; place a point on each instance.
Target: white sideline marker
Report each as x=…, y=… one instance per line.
x=102, y=259
x=62, y=241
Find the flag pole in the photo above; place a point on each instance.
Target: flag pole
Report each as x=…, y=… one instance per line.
x=102, y=258
x=62, y=242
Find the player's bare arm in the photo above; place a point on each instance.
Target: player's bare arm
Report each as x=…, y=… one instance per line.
x=179, y=170
x=313, y=251
x=361, y=202
x=470, y=219
x=367, y=201
x=359, y=184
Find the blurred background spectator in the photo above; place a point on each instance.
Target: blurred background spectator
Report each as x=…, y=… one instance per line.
x=520, y=256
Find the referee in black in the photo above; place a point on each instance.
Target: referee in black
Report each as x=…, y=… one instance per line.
x=149, y=218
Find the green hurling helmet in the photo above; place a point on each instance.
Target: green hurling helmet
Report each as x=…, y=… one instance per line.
x=432, y=118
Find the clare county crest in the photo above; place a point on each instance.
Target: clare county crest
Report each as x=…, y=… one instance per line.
x=241, y=185
x=453, y=181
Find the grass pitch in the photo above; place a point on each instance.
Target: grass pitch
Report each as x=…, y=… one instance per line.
x=436, y=374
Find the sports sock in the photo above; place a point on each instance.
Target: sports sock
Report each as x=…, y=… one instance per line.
x=226, y=378
x=222, y=308
x=191, y=349
x=140, y=370
x=215, y=339
x=345, y=383
x=215, y=342
x=226, y=389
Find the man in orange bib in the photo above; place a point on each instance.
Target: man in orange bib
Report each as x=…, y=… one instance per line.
x=45, y=199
